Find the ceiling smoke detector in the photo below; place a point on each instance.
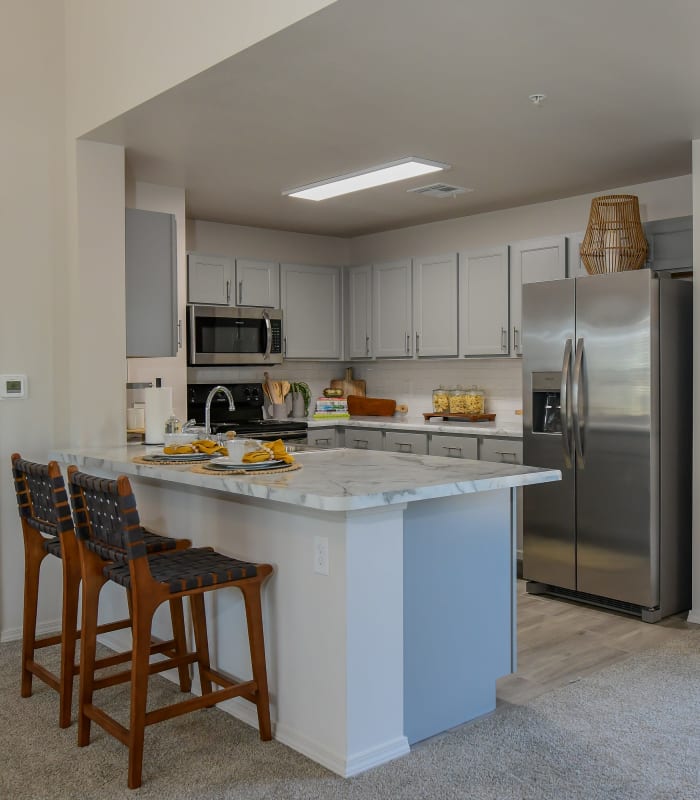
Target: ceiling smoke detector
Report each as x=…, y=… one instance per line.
x=440, y=190
x=537, y=99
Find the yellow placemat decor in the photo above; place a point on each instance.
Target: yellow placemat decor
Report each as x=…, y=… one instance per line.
x=200, y=470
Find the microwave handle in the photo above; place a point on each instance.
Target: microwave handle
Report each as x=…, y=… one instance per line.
x=268, y=335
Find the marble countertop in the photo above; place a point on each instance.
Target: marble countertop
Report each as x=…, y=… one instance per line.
x=330, y=480
x=513, y=430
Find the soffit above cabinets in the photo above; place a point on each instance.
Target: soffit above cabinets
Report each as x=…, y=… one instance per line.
x=362, y=83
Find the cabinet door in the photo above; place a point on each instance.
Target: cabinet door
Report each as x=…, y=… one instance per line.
x=151, y=284
x=363, y=438
x=406, y=442
x=670, y=244
x=257, y=283
x=445, y=444
x=574, y=262
x=321, y=437
x=531, y=262
x=435, y=303
x=209, y=279
x=311, y=305
x=483, y=302
x=359, y=312
x=391, y=310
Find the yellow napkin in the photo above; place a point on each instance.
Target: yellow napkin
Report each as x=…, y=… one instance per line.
x=269, y=451
x=207, y=446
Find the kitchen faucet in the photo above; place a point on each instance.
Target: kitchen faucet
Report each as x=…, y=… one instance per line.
x=207, y=407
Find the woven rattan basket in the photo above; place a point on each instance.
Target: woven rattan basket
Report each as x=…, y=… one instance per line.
x=614, y=240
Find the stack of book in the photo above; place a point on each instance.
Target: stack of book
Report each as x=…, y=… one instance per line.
x=331, y=408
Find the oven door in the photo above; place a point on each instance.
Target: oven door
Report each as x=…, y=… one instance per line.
x=219, y=335
x=298, y=437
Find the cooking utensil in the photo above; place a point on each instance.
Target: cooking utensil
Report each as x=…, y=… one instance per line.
x=349, y=385
x=359, y=406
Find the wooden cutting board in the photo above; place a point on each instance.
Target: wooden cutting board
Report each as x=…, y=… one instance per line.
x=370, y=406
x=349, y=385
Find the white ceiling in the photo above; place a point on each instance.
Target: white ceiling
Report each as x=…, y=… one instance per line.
x=363, y=82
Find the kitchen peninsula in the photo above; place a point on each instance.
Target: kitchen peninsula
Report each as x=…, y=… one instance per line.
x=391, y=611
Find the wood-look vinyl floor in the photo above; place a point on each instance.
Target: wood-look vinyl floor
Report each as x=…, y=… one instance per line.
x=560, y=641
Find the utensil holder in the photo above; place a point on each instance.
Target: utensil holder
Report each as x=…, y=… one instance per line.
x=278, y=411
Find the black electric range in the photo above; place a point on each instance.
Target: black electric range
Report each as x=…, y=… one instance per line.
x=247, y=419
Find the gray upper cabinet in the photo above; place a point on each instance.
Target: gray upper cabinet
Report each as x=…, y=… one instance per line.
x=311, y=298
x=435, y=302
x=670, y=244
x=151, y=284
x=483, y=302
x=257, y=283
x=532, y=261
x=359, y=325
x=391, y=310
x=209, y=279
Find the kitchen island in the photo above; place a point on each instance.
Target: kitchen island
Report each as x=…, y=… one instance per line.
x=391, y=611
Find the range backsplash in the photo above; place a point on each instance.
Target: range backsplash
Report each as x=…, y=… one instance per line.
x=409, y=382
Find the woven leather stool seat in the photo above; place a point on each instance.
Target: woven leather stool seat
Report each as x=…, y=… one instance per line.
x=47, y=527
x=106, y=515
x=187, y=569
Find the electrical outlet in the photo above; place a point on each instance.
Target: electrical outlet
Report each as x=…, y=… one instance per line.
x=321, y=555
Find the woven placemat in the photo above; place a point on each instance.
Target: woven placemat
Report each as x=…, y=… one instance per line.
x=149, y=463
x=200, y=470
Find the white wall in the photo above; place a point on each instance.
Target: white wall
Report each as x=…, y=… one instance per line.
x=173, y=370
x=658, y=200
x=122, y=54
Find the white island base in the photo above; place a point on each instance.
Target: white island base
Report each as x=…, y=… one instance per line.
x=409, y=630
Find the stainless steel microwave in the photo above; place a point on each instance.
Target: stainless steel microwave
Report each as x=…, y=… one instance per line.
x=226, y=335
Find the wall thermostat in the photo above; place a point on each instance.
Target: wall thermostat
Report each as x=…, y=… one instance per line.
x=13, y=386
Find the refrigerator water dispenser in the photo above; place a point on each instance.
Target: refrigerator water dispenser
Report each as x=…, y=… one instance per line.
x=546, y=402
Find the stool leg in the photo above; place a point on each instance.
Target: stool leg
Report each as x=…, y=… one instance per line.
x=34, y=554
x=93, y=581
x=253, y=613
x=141, y=627
x=177, y=615
x=201, y=641
x=69, y=626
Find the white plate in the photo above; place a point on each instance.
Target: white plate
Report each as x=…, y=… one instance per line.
x=164, y=457
x=224, y=464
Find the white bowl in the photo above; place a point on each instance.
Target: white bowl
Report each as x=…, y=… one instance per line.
x=180, y=438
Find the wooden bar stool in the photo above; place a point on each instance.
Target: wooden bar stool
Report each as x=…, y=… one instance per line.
x=106, y=509
x=47, y=528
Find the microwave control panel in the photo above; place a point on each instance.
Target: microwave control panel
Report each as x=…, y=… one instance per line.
x=276, y=327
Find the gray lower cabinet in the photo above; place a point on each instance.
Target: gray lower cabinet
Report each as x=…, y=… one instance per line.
x=401, y=442
x=151, y=284
x=364, y=438
x=322, y=437
x=507, y=451
x=445, y=444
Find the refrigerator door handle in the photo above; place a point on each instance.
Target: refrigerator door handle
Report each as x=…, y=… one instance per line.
x=564, y=403
x=576, y=397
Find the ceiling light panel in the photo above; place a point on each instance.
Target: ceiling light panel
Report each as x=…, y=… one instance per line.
x=367, y=178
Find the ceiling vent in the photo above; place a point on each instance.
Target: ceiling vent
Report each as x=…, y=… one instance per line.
x=440, y=190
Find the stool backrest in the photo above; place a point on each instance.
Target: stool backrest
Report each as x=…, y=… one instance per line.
x=105, y=514
x=41, y=496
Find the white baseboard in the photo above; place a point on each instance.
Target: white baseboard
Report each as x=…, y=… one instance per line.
x=42, y=629
x=694, y=616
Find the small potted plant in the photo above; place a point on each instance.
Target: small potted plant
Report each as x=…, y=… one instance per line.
x=301, y=398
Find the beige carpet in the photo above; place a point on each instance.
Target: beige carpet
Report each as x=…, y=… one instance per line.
x=629, y=732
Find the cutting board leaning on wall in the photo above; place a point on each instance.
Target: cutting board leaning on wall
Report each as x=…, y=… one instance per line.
x=349, y=385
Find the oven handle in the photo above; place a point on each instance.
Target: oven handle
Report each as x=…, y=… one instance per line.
x=268, y=335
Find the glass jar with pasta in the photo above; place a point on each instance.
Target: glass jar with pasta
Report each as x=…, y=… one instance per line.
x=475, y=400
x=441, y=400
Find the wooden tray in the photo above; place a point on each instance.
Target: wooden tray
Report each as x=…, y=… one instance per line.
x=461, y=417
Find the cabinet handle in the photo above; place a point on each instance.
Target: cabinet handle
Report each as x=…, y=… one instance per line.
x=404, y=446
x=417, y=342
x=228, y=292
x=285, y=345
x=362, y=444
x=408, y=342
x=449, y=449
x=516, y=340
x=366, y=345
x=240, y=293
x=179, y=334
x=502, y=453
x=504, y=339
x=323, y=439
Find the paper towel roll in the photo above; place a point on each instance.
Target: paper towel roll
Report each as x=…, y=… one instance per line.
x=159, y=406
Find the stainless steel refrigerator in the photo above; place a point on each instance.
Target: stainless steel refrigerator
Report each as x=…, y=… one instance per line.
x=607, y=386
